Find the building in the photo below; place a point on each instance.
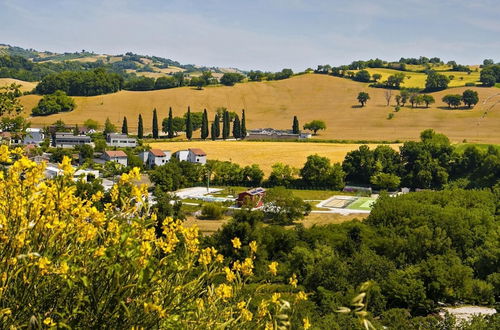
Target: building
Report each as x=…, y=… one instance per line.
x=182, y=155
x=5, y=138
x=120, y=140
x=116, y=156
x=155, y=157
x=275, y=134
x=33, y=136
x=254, y=197
x=68, y=140
x=196, y=155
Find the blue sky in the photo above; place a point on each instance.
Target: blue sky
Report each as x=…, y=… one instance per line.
x=259, y=34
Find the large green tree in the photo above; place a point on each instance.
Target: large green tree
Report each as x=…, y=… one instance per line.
x=169, y=127
x=109, y=127
x=436, y=81
x=236, y=127
x=243, y=125
x=363, y=97
x=204, y=125
x=470, y=98
x=225, y=125
x=140, y=128
x=189, y=125
x=53, y=103
x=9, y=99
x=315, y=126
x=295, y=126
x=155, y=124
x=124, y=126
x=217, y=125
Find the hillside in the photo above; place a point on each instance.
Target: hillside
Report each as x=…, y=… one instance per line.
x=26, y=86
x=310, y=96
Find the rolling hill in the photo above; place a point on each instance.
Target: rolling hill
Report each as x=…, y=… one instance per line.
x=309, y=96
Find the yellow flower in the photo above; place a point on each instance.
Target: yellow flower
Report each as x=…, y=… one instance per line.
x=219, y=258
x=63, y=268
x=275, y=297
x=236, y=243
x=224, y=291
x=246, y=315
x=205, y=256
x=4, y=154
x=293, y=280
x=273, y=268
x=241, y=305
x=253, y=246
x=301, y=296
x=307, y=324
x=263, y=309
x=100, y=251
x=43, y=262
x=269, y=326
x=49, y=322
x=66, y=166
x=229, y=274
x=247, y=267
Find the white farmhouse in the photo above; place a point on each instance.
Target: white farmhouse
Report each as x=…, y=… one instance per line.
x=182, y=155
x=33, y=136
x=120, y=140
x=196, y=155
x=157, y=157
x=117, y=156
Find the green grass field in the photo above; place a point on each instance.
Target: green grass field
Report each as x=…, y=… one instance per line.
x=362, y=203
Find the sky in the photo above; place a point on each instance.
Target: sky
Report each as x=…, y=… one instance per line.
x=259, y=34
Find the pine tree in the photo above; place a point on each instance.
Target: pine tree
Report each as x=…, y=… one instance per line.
x=189, y=125
x=213, y=132
x=236, y=127
x=124, y=126
x=225, y=125
x=140, y=128
x=243, y=133
x=217, y=125
x=170, y=124
x=155, y=124
x=295, y=127
x=76, y=130
x=204, y=125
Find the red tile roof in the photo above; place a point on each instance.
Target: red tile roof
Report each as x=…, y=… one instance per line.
x=198, y=152
x=114, y=154
x=157, y=153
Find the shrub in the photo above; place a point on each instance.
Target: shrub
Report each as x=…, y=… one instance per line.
x=211, y=211
x=470, y=84
x=53, y=103
x=67, y=264
x=390, y=116
x=397, y=108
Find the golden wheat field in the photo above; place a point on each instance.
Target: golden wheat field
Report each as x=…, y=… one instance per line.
x=264, y=153
x=309, y=96
x=25, y=85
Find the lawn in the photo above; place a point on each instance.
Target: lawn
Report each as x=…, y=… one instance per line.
x=362, y=203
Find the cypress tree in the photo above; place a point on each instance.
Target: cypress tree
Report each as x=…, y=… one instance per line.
x=225, y=125
x=76, y=130
x=140, y=128
x=204, y=125
x=213, y=132
x=243, y=133
x=217, y=125
x=124, y=126
x=170, y=124
x=155, y=124
x=295, y=127
x=189, y=125
x=236, y=127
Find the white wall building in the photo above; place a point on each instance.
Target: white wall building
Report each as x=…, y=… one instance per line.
x=33, y=136
x=120, y=140
x=117, y=156
x=182, y=155
x=196, y=155
x=68, y=140
x=157, y=157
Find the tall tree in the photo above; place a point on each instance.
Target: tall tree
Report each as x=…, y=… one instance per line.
x=363, y=97
x=225, y=125
x=213, y=132
x=204, y=125
x=295, y=126
x=236, y=127
x=217, y=125
x=140, y=128
x=170, y=124
x=124, y=126
x=155, y=124
x=243, y=125
x=189, y=125
x=109, y=127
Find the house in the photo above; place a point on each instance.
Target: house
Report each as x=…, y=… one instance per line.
x=275, y=134
x=5, y=138
x=120, y=140
x=196, y=155
x=155, y=157
x=33, y=136
x=68, y=140
x=117, y=156
x=253, y=196
x=182, y=155
x=85, y=175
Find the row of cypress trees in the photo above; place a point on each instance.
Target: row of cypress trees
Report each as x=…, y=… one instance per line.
x=239, y=127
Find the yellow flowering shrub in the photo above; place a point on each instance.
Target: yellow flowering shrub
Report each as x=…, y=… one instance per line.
x=64, y=263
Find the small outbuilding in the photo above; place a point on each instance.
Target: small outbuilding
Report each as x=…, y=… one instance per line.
x=196, y=155
x=117, y=156
x=254, y=197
